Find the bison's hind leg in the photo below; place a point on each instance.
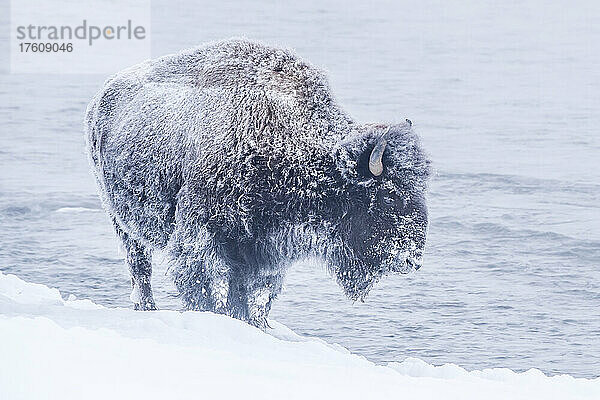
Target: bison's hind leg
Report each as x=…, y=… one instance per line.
x=139, y=261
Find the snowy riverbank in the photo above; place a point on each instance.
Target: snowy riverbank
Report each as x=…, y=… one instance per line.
x=52, y=348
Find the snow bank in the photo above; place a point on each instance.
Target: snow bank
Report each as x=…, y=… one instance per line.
x=74, y=349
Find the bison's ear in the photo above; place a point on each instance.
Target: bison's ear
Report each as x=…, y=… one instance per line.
x=360, y=156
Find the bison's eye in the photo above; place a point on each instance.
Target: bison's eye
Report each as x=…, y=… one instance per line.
x=388, y=201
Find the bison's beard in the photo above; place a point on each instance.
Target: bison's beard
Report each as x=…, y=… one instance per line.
x=355, y=276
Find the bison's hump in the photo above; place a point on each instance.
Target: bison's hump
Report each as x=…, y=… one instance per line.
x=240, y=65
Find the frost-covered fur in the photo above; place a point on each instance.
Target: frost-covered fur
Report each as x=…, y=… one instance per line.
x=235, y=157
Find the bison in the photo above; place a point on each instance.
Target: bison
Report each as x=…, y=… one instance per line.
x=235, y=159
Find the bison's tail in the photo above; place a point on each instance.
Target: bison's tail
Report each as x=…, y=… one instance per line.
x=96, y=126
x=96, y=122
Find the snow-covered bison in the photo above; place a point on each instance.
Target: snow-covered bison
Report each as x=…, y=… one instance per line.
x=235, y=158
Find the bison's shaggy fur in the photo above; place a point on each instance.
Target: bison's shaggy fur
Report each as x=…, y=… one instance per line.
x=235, y=158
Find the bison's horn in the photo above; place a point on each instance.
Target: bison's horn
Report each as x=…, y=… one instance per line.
x=375, y=160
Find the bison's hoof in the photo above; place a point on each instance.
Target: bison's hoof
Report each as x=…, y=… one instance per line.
x=260, y=323
x=146, y=306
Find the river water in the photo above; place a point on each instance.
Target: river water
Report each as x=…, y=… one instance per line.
x=506, y=96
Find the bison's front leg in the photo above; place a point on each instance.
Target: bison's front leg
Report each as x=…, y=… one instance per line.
x=262, y=290
x=202, y=279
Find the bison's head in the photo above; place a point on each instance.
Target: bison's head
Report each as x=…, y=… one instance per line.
x=384, y=213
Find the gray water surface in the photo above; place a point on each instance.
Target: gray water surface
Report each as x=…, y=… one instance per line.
x=507, y=100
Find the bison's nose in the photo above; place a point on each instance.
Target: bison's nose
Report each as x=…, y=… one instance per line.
x=415, y=262
x=405, y=263
x=415, y=259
